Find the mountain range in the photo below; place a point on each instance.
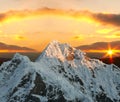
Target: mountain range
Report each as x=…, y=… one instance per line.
x=100, y=45
x=8, y=47
x=60, y=74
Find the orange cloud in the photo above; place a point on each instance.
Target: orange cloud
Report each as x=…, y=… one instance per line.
x=115, y=34
x=104, y=31
x=106, y=19
x=18, y=37
x=17, y=15
x=118, y=34
x=78, y=37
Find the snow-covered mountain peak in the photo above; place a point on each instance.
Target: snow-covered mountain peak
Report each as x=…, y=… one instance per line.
x=61, y=74
x=8, y=68
x=14, y=62
x=61, y=51
x=57, y=52
x=20, y=57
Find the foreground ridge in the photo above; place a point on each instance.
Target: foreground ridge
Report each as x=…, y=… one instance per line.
x=60, y=74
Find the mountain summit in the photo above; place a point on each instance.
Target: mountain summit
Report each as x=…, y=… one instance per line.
x=63, y=52
x=60, y=74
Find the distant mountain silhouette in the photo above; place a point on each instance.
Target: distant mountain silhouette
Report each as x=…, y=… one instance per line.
x=4, y=46
x=116, y=61
x=3, y=60
x=100, y=45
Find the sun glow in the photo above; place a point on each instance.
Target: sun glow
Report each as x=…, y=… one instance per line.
x=13, y=51
x=110, y=52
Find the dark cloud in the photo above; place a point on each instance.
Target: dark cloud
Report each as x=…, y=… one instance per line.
x=100, y=46
x=4, y=46
x=2, y=16
x=113, y=19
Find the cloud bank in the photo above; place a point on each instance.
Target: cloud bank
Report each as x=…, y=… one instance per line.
x=106, y=19
x=113, y=19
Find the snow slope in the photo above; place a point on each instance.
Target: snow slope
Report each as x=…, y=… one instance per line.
x=60, y=74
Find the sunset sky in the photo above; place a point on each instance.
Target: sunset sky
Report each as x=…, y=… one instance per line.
x=34, y=23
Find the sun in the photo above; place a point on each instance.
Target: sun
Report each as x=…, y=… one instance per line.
x=110, y=52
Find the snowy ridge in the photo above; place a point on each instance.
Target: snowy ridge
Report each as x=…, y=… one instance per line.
x=60, y=74
x=8, y=68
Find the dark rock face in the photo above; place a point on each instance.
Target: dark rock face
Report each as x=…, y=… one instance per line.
x=102, y=97
x=31, y=98
x=13, y=64
x=24, y=84
x=40, y=87
x=53, y=92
